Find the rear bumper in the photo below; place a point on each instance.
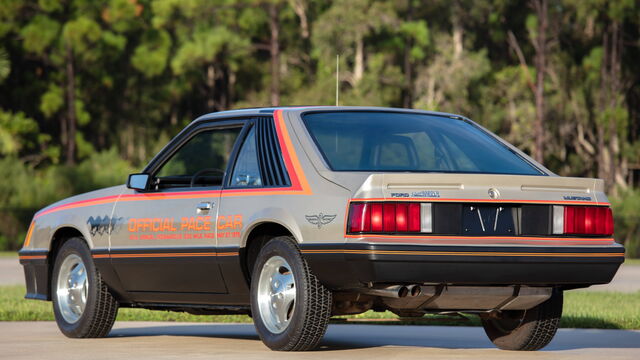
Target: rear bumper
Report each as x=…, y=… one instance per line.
x=352, y=265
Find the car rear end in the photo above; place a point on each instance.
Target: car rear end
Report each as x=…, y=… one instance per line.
x=445, y=216
x=483, y=230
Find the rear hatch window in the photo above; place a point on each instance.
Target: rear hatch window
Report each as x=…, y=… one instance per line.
x=407, y=142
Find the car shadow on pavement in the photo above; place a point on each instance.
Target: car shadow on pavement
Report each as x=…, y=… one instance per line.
x=231, y=331
x=343, y=337
x=222, y=331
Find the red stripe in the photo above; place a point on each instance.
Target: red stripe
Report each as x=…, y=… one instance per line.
x=484, y=241
x=295, y=183
x=461, y=253
x=288, y=155
x=594, y=203
x=549, y=238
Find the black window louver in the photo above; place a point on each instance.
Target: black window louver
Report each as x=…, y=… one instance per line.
x=272, y=167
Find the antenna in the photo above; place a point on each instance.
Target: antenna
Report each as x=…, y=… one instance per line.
x=337, y=79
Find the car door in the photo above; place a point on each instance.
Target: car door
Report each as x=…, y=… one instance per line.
x=166, y=240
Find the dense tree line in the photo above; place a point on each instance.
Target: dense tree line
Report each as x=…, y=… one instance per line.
x=90, y=90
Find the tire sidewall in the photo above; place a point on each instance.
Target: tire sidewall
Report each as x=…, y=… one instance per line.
x=523, y=336
x=284, y=247
x=515, y=338
x=78, y=247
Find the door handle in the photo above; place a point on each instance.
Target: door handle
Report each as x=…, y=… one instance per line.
x=204, y=206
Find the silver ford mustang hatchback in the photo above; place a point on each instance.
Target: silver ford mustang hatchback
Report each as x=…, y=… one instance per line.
x=295, y=215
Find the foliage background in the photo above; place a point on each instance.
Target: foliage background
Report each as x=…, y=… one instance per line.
x=90, y=90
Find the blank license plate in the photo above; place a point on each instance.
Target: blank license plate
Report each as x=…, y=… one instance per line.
x=487, y=220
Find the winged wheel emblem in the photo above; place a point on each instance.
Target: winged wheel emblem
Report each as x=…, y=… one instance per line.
x=320, y=219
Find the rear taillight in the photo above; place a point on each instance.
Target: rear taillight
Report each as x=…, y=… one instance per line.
x=585, y=220
x=389, y=217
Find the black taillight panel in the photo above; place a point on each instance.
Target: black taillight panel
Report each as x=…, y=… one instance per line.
x=447, y=218
x=536, y=219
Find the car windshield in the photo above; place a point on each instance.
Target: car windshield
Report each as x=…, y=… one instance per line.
x=394, y=141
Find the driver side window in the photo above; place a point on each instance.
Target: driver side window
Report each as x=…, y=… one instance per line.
x=208, y=150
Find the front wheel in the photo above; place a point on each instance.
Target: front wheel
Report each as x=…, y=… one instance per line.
x=82, y=304
x=290, y=307
x=526, y=330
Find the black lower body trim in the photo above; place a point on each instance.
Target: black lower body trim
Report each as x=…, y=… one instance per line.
x=197, y=309
x=190, y=275
x=351, y=265
x=36, y=273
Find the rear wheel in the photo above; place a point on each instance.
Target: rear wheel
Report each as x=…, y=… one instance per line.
x=82, y=304
x=526, y=330
x=290, y=307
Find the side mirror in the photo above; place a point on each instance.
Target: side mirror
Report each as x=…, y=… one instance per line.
x=138, y=181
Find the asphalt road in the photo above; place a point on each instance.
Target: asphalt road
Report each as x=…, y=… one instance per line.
x=10, y=271
x=627, y=279
x=134, y=340
x=140, y=340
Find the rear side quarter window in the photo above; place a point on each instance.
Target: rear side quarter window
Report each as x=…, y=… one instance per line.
x=246, y=172
x=259, y=161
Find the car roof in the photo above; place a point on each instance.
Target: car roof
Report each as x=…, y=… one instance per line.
x=300, y=109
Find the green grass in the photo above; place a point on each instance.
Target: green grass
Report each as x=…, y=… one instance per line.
x=8, y=254
x=631, y=262
x=13, y=307
x=582, y=309
x=603, y=310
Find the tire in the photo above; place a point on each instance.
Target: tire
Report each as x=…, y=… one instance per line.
x=527, y=330
x=100, y=308
x=303, y=320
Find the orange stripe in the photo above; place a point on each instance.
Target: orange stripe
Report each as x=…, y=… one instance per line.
x=289, y=153
x=304, y=190
x=160, y=255
x=275, y=191
x=497, y=242
x=32, y=257
x=420, y=241
x=300, y=185
x=27, y=239
x=462, y=253
x=567, y=202
x=228, y=254
x=156, y=255
x=446, y=237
